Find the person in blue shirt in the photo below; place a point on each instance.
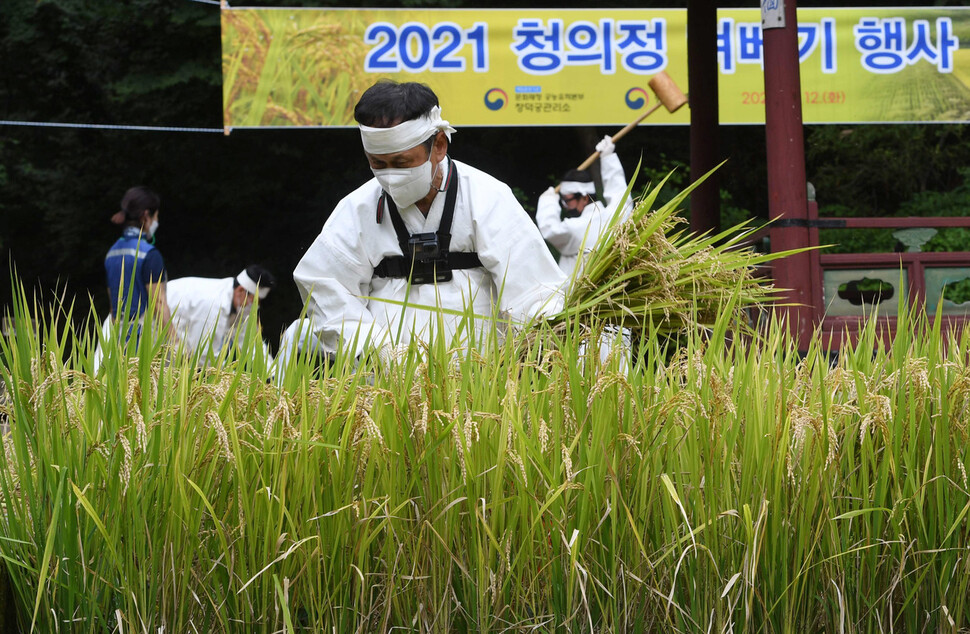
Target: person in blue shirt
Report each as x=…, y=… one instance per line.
x=134, y=267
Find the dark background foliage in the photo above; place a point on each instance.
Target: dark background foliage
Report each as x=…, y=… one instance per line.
x=262, y=196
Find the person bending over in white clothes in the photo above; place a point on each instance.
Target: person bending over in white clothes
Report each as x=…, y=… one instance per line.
x=212, y=312
x=428, y=231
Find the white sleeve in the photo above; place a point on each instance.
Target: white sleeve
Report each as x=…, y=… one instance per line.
x=549, y=219
x=510, y=246
x=614, y=180
x=334, y=277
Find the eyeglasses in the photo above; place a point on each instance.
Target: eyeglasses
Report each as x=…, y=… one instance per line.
x=565, y=200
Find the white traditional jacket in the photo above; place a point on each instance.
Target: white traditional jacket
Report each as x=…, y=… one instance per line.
x=569, y=235
x=347, y=302
x=202, y=312
x=201, y=315
x=298, y=337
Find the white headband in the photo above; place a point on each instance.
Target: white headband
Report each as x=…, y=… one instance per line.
x=577, y=187
x=247, y=282
x=406, y=135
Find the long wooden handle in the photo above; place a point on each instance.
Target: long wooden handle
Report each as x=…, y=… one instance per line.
x=616, y=137
x=668, y=95
x=619, y=135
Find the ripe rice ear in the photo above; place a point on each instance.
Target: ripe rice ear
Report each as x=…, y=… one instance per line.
x=647, y=270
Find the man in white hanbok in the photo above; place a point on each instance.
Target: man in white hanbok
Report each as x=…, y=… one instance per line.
x=572, y=220
x=209, y=313
x=424, y=242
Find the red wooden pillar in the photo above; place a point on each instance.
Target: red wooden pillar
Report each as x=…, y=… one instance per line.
x=787, y=187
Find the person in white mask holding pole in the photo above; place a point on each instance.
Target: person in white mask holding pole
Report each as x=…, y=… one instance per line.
x=572, y=219
x=427, y=231
x=210, y=313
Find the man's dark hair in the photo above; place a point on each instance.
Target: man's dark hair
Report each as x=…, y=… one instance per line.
x=260, y=275
x=388, y=103
x=578, y=176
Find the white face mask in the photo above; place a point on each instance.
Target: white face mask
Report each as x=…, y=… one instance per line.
x=152, y=228
x=407, y=185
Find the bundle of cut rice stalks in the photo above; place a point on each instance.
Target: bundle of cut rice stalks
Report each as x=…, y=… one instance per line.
x=648, y=272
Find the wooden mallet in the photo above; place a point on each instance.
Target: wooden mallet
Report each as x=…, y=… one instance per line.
x=668, y=95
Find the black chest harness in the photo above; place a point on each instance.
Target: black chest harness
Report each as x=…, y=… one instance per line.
x=426, y=258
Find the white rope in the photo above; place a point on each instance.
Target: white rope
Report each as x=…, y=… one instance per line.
x=105, y=126
x=215, y=2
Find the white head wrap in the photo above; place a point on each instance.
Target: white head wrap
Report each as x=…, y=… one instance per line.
x=247, y=282
x=405, y=135
x=577, y=187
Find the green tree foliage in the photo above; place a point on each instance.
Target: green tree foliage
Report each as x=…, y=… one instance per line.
x=3, y=187
x=899, y=170
x=137, y=62
x=874, y=170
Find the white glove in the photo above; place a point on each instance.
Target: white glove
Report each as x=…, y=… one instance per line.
x=550, y=191
x=606, y=146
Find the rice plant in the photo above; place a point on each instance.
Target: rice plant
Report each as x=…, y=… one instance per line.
x=708, y=483
x=714, y=487
x=648, y=274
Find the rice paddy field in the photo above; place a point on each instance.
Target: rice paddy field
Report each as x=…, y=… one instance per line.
x=703, y=482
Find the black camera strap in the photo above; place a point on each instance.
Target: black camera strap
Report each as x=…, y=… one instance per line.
x=401, y=265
